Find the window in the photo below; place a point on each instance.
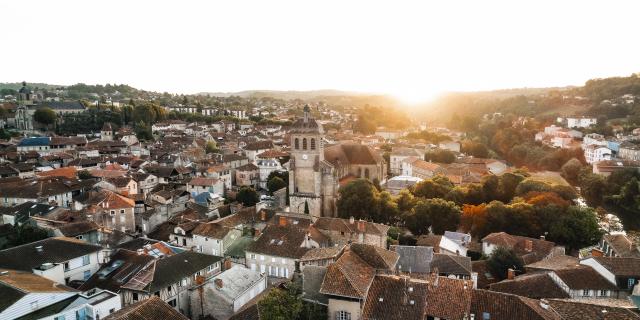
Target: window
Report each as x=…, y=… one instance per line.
x=585, y=293
x=253, y=256
x=343, y=315
x=296, y=144
x=121, y=210
x=603, y=293
x=630, y=283
x=313, y=144
x=304, y=143
x=66, y=266
x=86, y=275
x=366, y=173
x=172, y=303
x=112, y=213
x=135, y=296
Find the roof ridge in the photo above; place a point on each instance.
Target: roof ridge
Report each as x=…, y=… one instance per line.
x=349, y=280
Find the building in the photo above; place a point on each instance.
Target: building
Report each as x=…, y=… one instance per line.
x=595, y=153
x=149, y=309
x=582, y=122
x=629, y=151
x=400, y=154
x=58, y=259
x=316, y=171
x=29, y=296
x=342, y=231
x=530, y=250
x=227, y=292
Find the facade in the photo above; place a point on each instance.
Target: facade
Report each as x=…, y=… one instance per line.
x=398, y=155
x=595, y=153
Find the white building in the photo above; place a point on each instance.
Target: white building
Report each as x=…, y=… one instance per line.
x=595, y=153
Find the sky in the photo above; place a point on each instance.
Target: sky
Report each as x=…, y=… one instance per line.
x=412, y=50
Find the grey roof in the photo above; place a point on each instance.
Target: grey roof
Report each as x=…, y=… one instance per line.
x=54, y=250
x=450, y=264
x=458, y=236
x=172, y=269
x=312, y=277
x=63, y=105
x=414, y=259
x=235, y=282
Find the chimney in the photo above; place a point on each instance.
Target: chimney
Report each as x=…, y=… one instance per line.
x=218, y=283
x=544, y=304
x=352, y=220
x=282, y=221
x=361, y=226
x=39, y=249
x=596, y=253
x=140, y=251
x=528, y=245
x=543, y=238
x=511, y=274
x=263, y=215
x=227, y=264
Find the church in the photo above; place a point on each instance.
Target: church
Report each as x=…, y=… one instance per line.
x=29, y=102
x=316, y=171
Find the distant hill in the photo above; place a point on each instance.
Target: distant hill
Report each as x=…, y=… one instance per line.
x=18, y=85
x=286, y=95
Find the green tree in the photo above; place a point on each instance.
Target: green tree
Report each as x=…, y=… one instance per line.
x=143, y=131
x=593, y=188
x=26, y=233
x=280, y=304
x=275, y=184
x=436, y=187
x=437, y=215
x=84, y=174
x=45, y=116
x=211, y=147
x=501, y=260
x=440, y=156
x=571, y=170
x=358, y=199
x=576, y=229
x=247, y=196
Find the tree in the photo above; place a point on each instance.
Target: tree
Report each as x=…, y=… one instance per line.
x=275, y=184
x=576, y=229
x=436, y=187
x=280, y=304
x=358, y=199
x=571, y=170
x=247, y=196
x=143, y=131
x=501, y=260
x=84, y=174
x=593, y=188
x=437, y=215
x=45, y=116
x=211, y=147
x=26, y=233
x=440, y=156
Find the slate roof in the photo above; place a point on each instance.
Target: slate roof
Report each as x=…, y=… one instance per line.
x=584, y=277
x=577, y=310
x=539, y=248
x=312, y=277
x=63, y=105
x=621, y=266
x=344, y=225
x=34, y=142
x=280, y=241
x=149, y=309
x=349, y=153
x=508, y=306
x=450, y=264
x=535, y=286
x=110, y=277
x=77, y=228
x=54, y=250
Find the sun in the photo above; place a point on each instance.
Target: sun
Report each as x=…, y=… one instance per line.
x=415, y=96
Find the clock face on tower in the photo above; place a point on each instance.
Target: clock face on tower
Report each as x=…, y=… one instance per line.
x=304, y=157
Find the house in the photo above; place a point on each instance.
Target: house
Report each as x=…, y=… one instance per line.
x=399, y=183
x=400, y=297
x=595, y=153
x=579, y=310
x=622, y=272
x=413, y=260
x=278, y=249
x=149, y=309
x=58, y=259
x=82, y=230
x=252, y=149
x=489, y=305
x=533, y=285
x=109, y=209
x=629, y=151
x=443, y=244
x=618, y=245
x=530, y=250
x=419, y=168
x=342, y=231
x=227, y=292
x=265, y=168
x=53, y=190
x=198, y=185
x=247, y=175
x=122, y=185
x=213, y=238
x=25, y=212
x=122, y=266
x=29, y=296
x=146, y=182
x=171, y=279
x=321, y=256
x=347, y=281
x=450, y=145
x=573, y=122
x=221, y=172
x=400, y=154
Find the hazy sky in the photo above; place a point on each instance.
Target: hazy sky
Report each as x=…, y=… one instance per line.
x=410, y=49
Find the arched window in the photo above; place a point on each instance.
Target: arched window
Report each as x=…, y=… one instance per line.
x=304, y=143
x=366, y=173
x=296, y=144
x=313, y=143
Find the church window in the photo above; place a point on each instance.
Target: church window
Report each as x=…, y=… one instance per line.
x=297, y=144
x=304, y=143
x=366, y=173
x=313, y=144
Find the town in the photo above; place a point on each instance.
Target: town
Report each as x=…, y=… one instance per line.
x=120, y=203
